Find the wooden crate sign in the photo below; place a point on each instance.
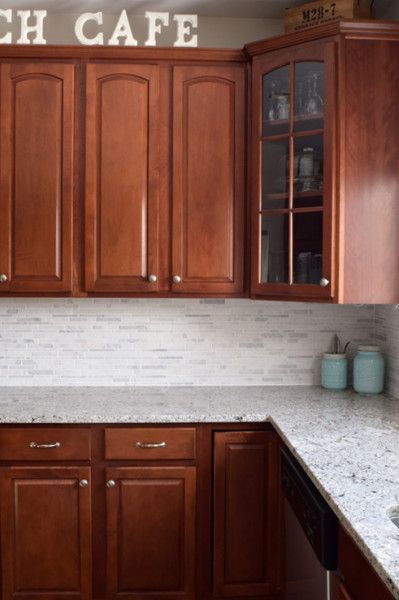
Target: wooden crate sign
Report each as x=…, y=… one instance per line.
x=323, y=12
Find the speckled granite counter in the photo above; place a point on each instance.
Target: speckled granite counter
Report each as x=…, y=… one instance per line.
x=349, y=445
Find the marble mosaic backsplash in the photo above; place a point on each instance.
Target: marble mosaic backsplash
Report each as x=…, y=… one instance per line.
x=117, y=342
x=387, y=335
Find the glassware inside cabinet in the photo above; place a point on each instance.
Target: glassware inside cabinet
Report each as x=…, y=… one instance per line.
x=275, y=173
x=276, y=102
x=309, y=96
x=308, y=169
x=308, y=247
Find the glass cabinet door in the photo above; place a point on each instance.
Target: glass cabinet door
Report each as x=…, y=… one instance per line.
x=295, y=203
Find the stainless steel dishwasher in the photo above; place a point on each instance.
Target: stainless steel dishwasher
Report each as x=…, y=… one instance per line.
x=311, y=536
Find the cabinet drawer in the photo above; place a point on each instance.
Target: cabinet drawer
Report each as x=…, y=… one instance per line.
x=150, y=443
x=40, y=443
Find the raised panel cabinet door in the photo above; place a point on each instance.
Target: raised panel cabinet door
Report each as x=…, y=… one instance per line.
x=122, y=170
x=36, y=176
x=151, y=533
x=209, y=119
x=45, y=533
x=247, y=550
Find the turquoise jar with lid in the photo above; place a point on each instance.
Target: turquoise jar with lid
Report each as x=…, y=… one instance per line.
x=334, y=371
x=368, y=370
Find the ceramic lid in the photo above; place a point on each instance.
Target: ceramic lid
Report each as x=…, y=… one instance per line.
x=369, y=348
x=334, y=356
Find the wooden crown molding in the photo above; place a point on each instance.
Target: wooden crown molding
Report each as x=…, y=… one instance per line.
x=142, y=53
x=351, y=28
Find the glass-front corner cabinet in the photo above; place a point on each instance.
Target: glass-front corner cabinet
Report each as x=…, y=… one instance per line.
x=293, y=179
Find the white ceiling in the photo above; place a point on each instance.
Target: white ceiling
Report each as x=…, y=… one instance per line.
x=210, y=8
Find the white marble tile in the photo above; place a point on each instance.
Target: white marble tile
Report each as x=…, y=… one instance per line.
x=387, y=334
x=146, y=342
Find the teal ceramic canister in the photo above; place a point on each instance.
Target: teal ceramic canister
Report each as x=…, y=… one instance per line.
x=368, y=370
x=334, y=371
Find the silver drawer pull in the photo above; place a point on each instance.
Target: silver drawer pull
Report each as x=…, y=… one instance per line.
x=149, y=446
x=44, y=446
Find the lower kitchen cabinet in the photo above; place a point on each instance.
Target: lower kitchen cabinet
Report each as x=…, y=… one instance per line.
x=139, y=513
x=341, y=593
x=358, y=580
x=45, y=532
x=151, y=532
x=246, y=514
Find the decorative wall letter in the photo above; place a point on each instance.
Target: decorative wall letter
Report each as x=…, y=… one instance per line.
x=37, y=29
x=81, y=21
x=123, y=30
x=184, y=24
x=153, y=27
x=7, y=14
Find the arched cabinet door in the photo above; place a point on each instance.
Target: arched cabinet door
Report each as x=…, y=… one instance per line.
x=121, y=201
x=36, y=176
x=293, y=173
x=208, y=179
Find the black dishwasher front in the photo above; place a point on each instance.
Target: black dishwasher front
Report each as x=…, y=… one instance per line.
x=311, y=536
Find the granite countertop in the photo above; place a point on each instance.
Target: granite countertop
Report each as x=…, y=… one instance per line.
x=348, y=445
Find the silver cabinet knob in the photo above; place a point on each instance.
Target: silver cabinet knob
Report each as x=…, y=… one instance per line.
x=324, y=282
x=111, y=483
x=176, y=279
x=84, y=483
x=152, y=278
x=3, y=278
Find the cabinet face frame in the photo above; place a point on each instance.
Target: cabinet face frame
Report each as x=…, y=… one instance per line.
x=13, y=477
x=324, y=51
x=57, y=231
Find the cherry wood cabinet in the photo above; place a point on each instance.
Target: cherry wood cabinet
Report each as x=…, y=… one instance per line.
x=323, y=164
x=36, y=176
x=151, y=532
x=293, y=141
x=341, y=593
x=130, y=171
x=125, y=148
x=122, y=171
x=45, y=532
x=82, y=517
x=357, y=578
x=247, y=534
x=208, y=179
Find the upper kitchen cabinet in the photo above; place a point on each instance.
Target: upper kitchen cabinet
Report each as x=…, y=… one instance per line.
x=208, y=179
x=36, y=176
x=293, y=136
x=122, y=171
x=139, y=208
x=324, y=147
